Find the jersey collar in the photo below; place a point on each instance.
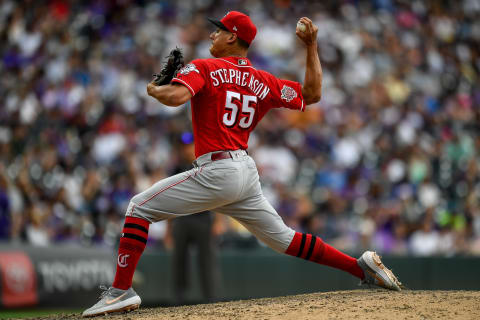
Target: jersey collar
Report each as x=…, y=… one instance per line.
x=239, y=61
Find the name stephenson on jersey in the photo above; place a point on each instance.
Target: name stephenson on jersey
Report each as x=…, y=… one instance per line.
x=240, y=79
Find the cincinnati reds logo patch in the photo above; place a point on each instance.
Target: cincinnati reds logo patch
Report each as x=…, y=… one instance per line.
x=189, y=68
x=122, y=260
x=288, y=93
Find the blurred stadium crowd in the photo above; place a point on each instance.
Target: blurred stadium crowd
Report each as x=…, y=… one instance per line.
x=387, y=160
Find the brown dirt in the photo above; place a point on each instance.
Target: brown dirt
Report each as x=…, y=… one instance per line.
x=358, y=304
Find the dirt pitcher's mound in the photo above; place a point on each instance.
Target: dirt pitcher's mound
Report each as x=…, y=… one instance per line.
x=358, y=304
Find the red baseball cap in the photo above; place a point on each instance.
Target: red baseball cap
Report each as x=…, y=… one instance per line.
x=238, y=23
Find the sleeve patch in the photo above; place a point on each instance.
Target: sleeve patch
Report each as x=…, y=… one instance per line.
x=288, y=93
x=189, y=68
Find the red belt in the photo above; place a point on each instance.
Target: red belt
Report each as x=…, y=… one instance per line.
x=220, y=155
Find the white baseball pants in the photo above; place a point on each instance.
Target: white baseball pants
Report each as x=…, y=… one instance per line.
x=228, y=186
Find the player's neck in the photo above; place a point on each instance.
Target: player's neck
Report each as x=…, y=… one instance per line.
x=235, y=53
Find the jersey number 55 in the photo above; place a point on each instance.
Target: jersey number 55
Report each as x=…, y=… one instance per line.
x=247, y=113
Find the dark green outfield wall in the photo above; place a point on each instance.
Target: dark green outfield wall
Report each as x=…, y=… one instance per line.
x=69, y=277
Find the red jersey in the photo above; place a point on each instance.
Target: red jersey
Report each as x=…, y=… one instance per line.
x=229, y=98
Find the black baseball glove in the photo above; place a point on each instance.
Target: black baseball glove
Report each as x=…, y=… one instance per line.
x=170, y=68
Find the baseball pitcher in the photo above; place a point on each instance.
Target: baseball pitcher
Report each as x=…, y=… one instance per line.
x=228, y=97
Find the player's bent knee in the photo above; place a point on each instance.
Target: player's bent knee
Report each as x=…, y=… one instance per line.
x=133, y=209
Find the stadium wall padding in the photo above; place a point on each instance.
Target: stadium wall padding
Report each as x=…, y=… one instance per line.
x=65, y=276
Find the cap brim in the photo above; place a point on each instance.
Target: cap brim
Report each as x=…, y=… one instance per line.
x=218, y=24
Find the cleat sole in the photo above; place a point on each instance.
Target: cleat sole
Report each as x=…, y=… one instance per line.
x=124, y=309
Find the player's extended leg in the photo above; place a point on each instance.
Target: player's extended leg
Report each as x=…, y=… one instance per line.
x=369, y=268
x=261, y=219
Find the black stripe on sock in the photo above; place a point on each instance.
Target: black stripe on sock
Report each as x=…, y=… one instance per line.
x=135, y=226
x=302, y=244
x=134, y=236
x=312, y=245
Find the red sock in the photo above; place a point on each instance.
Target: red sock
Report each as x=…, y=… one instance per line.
x=312, y=248
x=132, y=243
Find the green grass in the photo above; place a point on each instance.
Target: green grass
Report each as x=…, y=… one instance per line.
x=30, y=313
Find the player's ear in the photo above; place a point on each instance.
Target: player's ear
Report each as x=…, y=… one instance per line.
x=232, y=38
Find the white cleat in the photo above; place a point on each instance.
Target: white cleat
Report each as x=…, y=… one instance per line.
x=114, y=300
x=376, y=273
